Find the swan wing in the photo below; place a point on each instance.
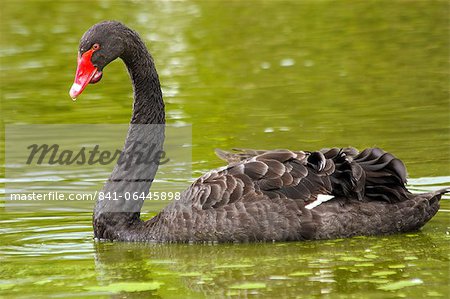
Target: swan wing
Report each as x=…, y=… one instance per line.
x=241, y=154
x=254, y=175
x=307, y=178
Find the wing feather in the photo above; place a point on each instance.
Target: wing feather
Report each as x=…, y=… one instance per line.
x=254, y=175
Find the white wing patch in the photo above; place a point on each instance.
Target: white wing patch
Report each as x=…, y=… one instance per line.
x=320, y=199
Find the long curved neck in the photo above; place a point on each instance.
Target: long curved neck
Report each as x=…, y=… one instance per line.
x=124, y=192
x=148, y=106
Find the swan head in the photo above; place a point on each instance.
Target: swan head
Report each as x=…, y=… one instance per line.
x=99, y=45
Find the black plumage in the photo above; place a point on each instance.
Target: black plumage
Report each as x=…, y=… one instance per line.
x=260, y=195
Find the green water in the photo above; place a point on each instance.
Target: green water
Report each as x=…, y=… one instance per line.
x=259, y=74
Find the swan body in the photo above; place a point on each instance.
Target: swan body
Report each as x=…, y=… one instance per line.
x=275, y=195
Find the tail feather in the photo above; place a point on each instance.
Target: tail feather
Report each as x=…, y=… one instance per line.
x=438, y=193
x=442, y=191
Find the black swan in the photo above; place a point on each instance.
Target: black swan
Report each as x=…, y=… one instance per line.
x=275, y=195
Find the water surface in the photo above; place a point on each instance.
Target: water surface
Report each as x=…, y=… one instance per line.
x=266, y=74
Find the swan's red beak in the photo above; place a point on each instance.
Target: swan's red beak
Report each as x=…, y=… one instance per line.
x=86, y=73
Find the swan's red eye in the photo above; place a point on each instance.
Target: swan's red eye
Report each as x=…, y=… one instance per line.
x=95, y=47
